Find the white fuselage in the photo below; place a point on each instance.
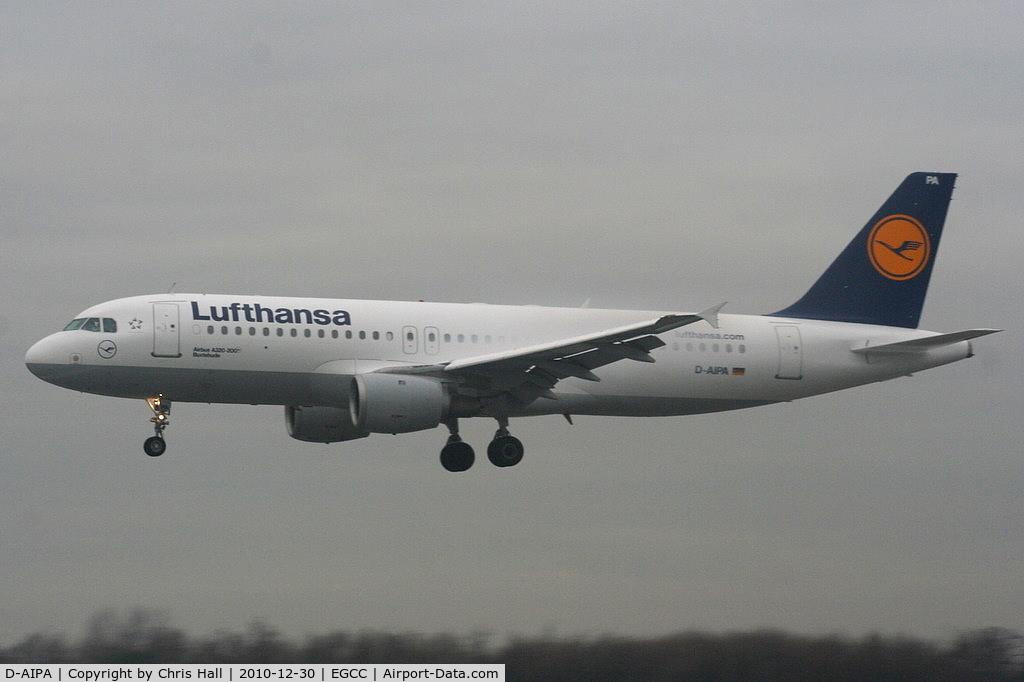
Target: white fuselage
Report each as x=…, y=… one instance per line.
x=304, y=351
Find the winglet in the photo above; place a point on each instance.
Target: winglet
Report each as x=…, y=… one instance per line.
x=711, y=314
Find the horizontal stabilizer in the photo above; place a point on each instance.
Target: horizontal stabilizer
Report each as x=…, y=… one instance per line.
x=923, y=344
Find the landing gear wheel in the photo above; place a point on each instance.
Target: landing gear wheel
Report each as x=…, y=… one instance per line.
x=505, y=451
x=155, y=446
x=457, y=455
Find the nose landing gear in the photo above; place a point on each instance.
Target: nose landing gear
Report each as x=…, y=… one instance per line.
x=156, y=445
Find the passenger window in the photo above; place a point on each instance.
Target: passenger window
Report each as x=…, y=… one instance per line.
x=109, y=325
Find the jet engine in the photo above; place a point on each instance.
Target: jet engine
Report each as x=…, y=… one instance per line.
x=397, y=403
x=321, y=424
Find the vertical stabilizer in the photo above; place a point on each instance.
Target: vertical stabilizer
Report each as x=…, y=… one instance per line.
x=882, y=275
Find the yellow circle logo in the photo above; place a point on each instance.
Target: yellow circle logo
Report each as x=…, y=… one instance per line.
x=899, y=247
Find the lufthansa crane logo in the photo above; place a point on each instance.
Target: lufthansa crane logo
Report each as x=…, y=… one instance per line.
x=899, y=247
x=106, y=349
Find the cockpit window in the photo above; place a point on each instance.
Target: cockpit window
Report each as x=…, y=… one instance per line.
x=92, y=324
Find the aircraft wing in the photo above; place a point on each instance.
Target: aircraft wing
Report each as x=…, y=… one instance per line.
x=531, y=372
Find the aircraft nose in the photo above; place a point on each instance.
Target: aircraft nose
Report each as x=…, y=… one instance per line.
x=46, y=359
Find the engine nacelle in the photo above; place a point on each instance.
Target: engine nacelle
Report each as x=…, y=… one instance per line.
x=397, y=403
x=321, y=424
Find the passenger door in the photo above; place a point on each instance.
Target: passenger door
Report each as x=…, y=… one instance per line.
x=166, y=330
x=790, y=353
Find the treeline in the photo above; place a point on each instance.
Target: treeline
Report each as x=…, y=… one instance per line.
x=141, y=636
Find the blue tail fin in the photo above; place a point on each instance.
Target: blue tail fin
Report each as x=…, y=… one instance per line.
x=882, y=275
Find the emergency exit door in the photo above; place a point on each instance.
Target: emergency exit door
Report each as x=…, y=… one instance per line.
x=410, y=344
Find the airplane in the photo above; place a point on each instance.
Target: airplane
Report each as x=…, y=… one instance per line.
x=344, y=369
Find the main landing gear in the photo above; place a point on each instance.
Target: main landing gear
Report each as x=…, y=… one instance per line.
x=156, y=445
x=457, y=455
x=504, y=451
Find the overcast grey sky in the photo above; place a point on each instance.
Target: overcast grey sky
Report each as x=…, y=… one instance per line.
x=661, y=156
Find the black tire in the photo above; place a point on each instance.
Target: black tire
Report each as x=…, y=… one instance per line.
x=155, y=446
x=506, y=451
x=457, y=456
